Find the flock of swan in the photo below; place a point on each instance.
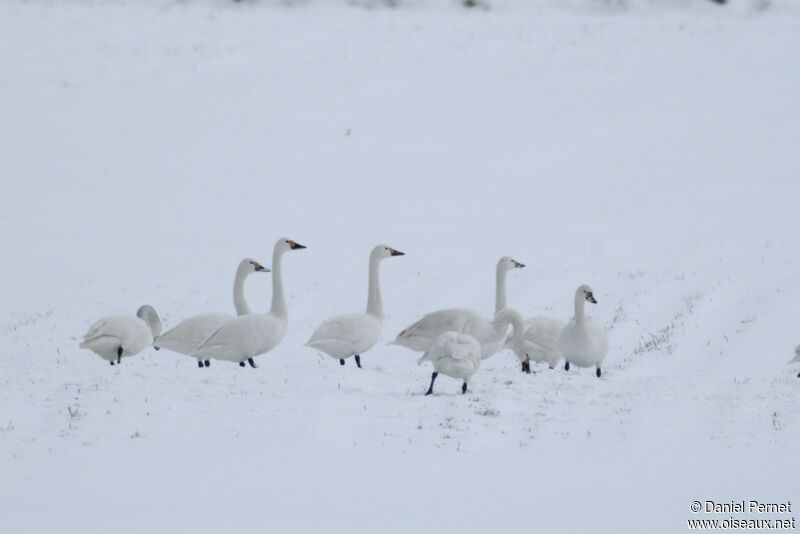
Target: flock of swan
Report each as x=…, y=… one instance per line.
x=454, y=340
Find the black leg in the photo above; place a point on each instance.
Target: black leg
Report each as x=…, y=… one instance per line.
x=119, y=355
x=252, y=363
x=200, y=363
x=112, y=363
x=358, y=360
x=241, y=364
x=526, y=367
x=464, y=388
x=341, y=362
x=433, y=379
x=798, y=375
x=157, y=348
x=208, y=363
x=599, y=373
x=566, y=366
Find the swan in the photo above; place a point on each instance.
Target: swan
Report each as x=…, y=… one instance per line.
x=534, y=339
x=247, y=336
x=796, y=357
x=583, y=342
x=189, y=334
x=455, y=355
x=353, y=334
x=421, y=335
x=116, y=336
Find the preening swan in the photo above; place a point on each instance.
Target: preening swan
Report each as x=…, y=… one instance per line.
x=534, y=340
x=421, y=335
x=353, y=334
x=116, y=336
x=455, y=355
x=796, y=357
x=247, y=336
x=583, y=342
x=187, y=336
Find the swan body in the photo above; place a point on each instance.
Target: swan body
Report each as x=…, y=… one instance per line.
x=353, y=334
x=422, y=334
x=117, y=336
x=583, y=342
x=453, y=354
x=247, y=336
x=188, y=335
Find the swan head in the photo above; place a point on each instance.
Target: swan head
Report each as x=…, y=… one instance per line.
x=252, y=266
x=285, y=245
x=148, y=315
x=587, y=294
x=507, y=263
x=384, y=251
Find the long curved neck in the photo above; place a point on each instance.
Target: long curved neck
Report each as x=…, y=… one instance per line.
x=278, y=307
x=508, y=316
x=500, y=292
x=374, y=300
x=580, y=303
x=239, y=302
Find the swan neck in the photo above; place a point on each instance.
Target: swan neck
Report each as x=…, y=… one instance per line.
x=580, y=312
x=505, y=317
x=278, y=307
x=239, y=302
x=500, y=290
x=374, y=300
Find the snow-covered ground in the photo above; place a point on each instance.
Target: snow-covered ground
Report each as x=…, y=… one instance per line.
x=145, y=148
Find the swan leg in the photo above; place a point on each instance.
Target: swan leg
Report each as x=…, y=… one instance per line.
x=119, y=354
x=112, y=363
x=252, y=363
x=433, y=379
x=464, y=388
x=358, y=360
x=526, y=367
x=200, y=364
x=798, y=375
x=208, y=363
x=599, y=373
x=241, y=364
x=566, y=366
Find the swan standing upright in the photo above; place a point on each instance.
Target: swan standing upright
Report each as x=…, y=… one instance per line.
x=422, y=334
x=187, y=336
x=353, y=334
x=583, y=342
x=116, y=336
x=247, y=336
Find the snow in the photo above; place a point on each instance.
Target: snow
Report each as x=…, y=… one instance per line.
x=650, y=152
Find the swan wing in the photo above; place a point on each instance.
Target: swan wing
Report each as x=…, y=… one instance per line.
x=348, y=334
x=187, y=336
x=243, y=337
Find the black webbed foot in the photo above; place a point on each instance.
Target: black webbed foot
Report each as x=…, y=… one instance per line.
x=566, y=366
x=464, y=388
x=341, y=362
x=208, y=363
x=200, y=364
x=241, y=364
x=599, y=373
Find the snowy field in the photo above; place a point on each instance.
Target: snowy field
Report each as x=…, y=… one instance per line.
x=652, y=152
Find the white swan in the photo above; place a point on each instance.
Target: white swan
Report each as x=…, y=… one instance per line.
x=796, y=357
x=455, y=355
x=535, y=340
x=187, y=336
x=421, y=335
x=353, y=334
x=583, y=342
x=116, y=336
x=245, y=337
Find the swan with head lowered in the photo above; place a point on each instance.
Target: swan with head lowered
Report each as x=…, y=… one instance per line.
x=422, y=334
x=243, y=338
x=187, y=336
x=583, y=342
x=116, y=336
x=455, y=355
x=534, y=339
x=353, y=334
